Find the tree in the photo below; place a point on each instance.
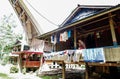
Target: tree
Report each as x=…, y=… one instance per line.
x=7, y=35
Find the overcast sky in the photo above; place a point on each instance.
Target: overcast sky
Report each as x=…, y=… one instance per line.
x=54, y=10
x=58, y=10
x=6, y=9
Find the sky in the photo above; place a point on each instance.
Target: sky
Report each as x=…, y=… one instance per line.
x=6, y=9
x=54, y=10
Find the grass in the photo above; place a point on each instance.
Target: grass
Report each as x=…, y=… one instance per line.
x=51, y=77
x=4, y=76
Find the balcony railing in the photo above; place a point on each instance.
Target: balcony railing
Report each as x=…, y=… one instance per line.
x=31, y=63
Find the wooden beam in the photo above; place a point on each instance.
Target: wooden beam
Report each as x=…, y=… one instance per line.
x=98, y=20
x=59, y=61
x=63, y=71
x=92, y=31
x=75, y=40
x=29, y=30
x=112, y=30
x=18, y=10
x=103, y=64
x=31, y=17
x=14, y=2
x=21, y=14
x=20, y=63
x=86, y=71
x=41, y=62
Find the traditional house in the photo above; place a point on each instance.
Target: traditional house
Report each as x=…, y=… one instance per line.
x=18, y=46
x=25, y=58
x=98, y=28
x=76, y=26
x=31, y=26
x=32, y=58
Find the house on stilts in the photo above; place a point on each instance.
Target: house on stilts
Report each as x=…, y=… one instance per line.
x=97, y=26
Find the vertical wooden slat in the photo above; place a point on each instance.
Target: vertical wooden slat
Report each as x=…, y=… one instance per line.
x=75, y=39
x=112, y=30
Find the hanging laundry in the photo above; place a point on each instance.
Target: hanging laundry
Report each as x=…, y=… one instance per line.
x=55, y=40
x=69, y=33
x=65, y=36
x=94, y=55
x=61, y=36
x=52, y=39
x=78, y=56
x=47, y=47
x=58, y=37
x=70, y=54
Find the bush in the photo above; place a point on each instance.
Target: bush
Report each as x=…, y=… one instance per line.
x=24, y=70
x=5, y=60
x=13, y=69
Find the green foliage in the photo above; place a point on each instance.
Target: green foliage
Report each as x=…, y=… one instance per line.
x=13, y=69
x=5, y=60
x=7, y=35
x=51, y=77
x=4, y=76
x=24, y=70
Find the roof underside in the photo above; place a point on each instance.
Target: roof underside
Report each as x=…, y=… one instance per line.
x=91, y=20
x=82, y=13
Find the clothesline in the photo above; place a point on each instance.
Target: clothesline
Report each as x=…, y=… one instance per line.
x=87, y=55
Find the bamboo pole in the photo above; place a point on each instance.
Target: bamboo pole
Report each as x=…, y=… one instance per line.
x=112, y=30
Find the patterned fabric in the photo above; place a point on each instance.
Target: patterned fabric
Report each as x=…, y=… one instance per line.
x=93, y=55
x=87, y=55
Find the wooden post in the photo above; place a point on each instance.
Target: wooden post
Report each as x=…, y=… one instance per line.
x=112, y=30
x=75, y=40
x=86, y=71
x=20, y=63
x=41, y=62
x=63, y=70
x=25, y=63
